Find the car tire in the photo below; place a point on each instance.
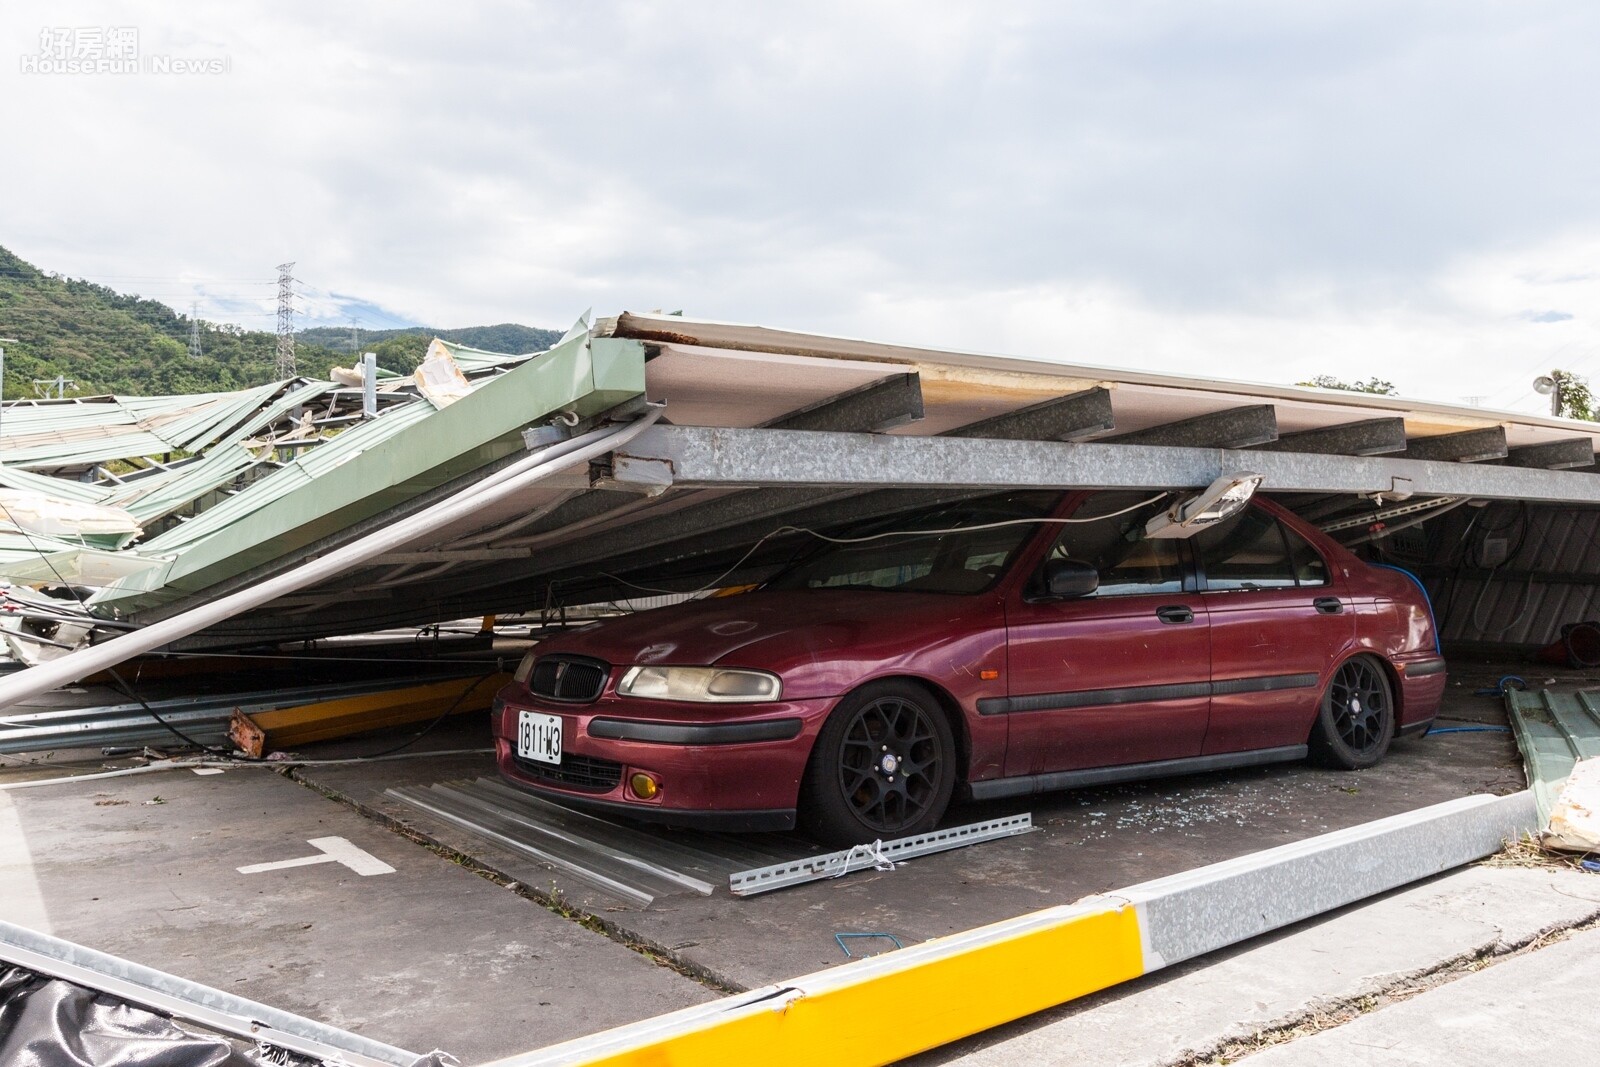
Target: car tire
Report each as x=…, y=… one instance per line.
x=884, y=766
x=1355, y=721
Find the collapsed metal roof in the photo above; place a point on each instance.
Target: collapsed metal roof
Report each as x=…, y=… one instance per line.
x=763, y=428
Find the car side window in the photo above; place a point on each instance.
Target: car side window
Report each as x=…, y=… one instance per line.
x=1129, y=563
x=1247, y=551
x=1309, y=569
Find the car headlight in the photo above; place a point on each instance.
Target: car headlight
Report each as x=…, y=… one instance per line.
x=524, y=669
x=715, y=684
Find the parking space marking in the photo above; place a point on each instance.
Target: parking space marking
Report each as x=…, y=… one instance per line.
x=330, y=850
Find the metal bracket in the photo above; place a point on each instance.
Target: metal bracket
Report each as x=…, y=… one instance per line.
x=836, y=864
x=1399, y=489
x=640, y=474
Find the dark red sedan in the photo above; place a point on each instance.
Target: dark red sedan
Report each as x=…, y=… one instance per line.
x=1013, y=644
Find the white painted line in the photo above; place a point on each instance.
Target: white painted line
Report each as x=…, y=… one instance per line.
x=331, y=850
x=352, y=857
x=20, y=898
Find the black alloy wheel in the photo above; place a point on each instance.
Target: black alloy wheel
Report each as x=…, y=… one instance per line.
x=1356, y=721
x=883, y=766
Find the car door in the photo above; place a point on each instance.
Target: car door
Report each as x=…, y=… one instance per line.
x=1279, y=617
x=1117, y=677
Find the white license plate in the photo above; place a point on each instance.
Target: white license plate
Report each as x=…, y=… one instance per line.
x=539, y=737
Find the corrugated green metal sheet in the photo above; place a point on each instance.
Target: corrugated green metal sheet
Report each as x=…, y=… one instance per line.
x=47, y=436
x=354, y=471
x=1554, y=731
x=373, y=466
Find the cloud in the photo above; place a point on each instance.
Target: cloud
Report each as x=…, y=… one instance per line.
x=1546, y=316
x=1239, y=189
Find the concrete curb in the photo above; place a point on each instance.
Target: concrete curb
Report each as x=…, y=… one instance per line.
x=889, y=1007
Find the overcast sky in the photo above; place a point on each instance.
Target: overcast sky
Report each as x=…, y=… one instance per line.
x=1251, y=190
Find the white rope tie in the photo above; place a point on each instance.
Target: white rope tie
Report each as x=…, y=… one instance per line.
x=873, y=852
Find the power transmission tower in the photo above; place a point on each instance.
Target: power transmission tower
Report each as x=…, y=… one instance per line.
x=194, y=331
x=286, y=320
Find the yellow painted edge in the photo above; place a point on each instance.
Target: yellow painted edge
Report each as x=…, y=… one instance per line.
x=480, y=697
x=890, y=1015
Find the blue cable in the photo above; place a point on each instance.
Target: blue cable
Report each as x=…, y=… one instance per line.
x=1470, y=730
x=1426, y=599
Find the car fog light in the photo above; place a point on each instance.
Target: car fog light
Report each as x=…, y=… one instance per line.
x=644, y=787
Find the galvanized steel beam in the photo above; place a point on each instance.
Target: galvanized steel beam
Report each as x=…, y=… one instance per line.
x=1229, y=428
x=724, y=457
x=1369, y=437
x=874, y=408
x=1554, y=455
x=1073, y=417
x=1469, y=446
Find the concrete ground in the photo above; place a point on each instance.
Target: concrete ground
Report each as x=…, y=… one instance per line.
x=427, y=955
x=435, y=954
x=1537, y=1008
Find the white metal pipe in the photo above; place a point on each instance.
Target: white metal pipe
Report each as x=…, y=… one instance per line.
x=44, y=677
x=369, y=384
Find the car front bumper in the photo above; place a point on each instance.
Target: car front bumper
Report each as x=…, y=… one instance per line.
x=739, y=771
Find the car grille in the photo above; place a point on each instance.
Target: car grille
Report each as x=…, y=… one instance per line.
x=570, y=679
x=576, y=772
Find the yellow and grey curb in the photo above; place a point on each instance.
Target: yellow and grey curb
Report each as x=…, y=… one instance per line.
x=888, y=1007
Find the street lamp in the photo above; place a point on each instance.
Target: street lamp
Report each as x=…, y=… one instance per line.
x=1549, y=385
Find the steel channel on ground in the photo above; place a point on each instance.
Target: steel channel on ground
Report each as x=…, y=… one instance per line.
x=838, y=864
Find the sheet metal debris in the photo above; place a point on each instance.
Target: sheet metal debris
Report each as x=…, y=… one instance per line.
x=1554, y=731
x=626, y=862
x=222, y=484
x=90, y=998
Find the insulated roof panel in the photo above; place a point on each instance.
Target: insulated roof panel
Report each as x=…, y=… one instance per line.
x=712, y=387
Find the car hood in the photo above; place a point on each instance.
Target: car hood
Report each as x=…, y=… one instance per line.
x=788, y=625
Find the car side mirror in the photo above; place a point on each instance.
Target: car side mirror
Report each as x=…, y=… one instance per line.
x=1069, y=578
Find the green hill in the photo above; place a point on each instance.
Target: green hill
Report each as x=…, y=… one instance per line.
x=404, y=348
x=109, y=342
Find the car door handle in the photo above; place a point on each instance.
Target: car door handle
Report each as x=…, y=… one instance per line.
x=1328, y=605
x=1175, y=613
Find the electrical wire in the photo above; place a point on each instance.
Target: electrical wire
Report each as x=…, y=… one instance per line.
x=715, y=582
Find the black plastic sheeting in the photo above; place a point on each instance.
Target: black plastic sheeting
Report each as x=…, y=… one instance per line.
x=46, y=1022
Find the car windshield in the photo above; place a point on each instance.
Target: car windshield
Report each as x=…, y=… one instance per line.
x=968, y=558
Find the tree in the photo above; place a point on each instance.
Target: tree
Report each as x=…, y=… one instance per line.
x=1572, y=397
x=1370, y=385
